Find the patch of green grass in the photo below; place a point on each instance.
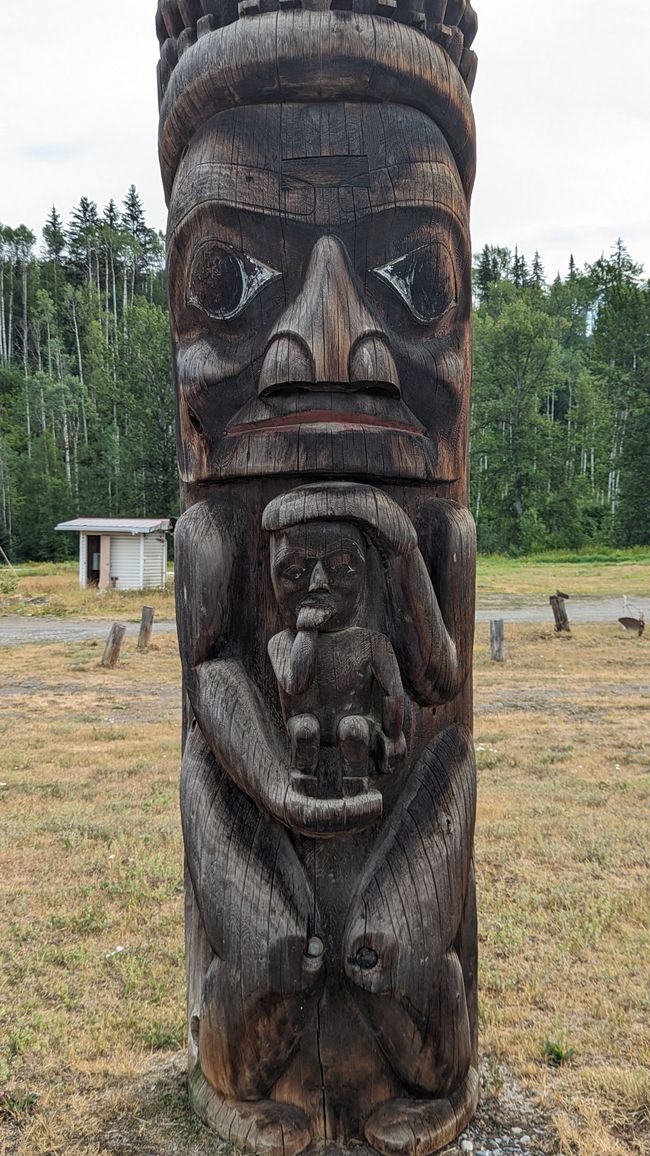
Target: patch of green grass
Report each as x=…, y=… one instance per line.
x=557, y=1053
x=14, y=1106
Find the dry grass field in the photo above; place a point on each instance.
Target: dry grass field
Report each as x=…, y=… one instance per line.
x=610, y=574
x=53, y=590
x=91, y=950
x=43, y=589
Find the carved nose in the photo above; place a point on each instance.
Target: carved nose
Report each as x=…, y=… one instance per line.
x=318, y=580
x=327, y=337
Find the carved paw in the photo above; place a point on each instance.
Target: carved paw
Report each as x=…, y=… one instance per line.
x=420, y=1127
x=262, y=1127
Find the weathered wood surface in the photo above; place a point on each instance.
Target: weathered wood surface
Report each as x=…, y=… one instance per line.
x=497, y=640
x=318, y=164
x=146, y=627
x=111, y=655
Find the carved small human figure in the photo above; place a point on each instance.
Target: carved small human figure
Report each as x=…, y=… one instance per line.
x=339, y=681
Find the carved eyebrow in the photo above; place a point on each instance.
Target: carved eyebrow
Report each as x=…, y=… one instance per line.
x=433, y=186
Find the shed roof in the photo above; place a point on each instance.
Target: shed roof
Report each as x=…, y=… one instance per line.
x=116, y=525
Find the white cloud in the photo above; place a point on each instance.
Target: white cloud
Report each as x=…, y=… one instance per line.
x=562, y=104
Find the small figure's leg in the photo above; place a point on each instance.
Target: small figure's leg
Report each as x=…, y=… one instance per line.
x=354, y=742
x=304, y=732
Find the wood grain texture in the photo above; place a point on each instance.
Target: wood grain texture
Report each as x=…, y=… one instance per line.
x=146, y=627
x=111, y=655
x=318, y=164
x=450, y=24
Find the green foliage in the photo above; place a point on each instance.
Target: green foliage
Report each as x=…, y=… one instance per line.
x=560, y=452
x=556, y=1053
x=560, y=448
x=86, y=395
x=15, y=1106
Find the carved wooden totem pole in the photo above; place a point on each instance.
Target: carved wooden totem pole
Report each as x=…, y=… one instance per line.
x=318, y=163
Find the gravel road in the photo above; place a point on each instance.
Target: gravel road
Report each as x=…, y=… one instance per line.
x=15, y=630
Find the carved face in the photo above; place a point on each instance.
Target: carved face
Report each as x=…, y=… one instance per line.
x=319, y=261
x=318, y=573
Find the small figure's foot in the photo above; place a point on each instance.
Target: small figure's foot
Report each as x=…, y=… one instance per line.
x=304, y=732
x=420, y=1127
x=353, y=735
x=261, y=1126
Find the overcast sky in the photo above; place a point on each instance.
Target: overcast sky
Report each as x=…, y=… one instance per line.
x=562, y=103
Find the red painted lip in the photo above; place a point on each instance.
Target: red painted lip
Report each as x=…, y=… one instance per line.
x=343, y=419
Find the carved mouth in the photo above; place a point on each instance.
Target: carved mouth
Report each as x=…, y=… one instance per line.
x=340, y=418
x=295, y=411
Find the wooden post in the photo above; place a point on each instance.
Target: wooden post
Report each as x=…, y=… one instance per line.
x=113, y=646
x=497, y=648
x=146, y=627
x=318, y=166
x=560, y=615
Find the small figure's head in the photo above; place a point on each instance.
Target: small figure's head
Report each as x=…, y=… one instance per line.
x=318, y=571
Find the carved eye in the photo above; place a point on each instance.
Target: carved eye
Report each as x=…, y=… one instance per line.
x=425, y=280
x=294, y=573
x=222, y=280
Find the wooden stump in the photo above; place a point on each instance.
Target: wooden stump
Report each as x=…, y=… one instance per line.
x=113, y=646
x=560, y=615
x=497, y=641
x=146, y=627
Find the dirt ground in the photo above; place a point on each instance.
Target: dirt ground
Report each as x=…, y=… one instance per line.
x=91, y=898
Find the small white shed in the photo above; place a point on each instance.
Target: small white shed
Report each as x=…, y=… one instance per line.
x=123, y=553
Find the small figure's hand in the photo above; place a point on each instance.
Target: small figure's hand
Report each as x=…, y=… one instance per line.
x=391, y=753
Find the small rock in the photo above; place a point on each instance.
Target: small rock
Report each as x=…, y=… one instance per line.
x=525, y=1140
x=517, y=1131
x=466, y=1146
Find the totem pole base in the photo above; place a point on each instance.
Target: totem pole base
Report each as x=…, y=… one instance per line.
x=399, y=1128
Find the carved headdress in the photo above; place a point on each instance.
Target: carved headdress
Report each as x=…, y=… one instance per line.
x=220, y=54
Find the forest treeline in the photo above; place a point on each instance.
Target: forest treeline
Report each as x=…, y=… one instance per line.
x=560, y=447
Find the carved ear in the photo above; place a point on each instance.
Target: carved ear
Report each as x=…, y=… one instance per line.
x=378, y=516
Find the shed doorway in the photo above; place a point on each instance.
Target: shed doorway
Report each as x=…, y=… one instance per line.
x=93, y=560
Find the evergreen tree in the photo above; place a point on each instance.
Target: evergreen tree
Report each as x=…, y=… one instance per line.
x=519, y=273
